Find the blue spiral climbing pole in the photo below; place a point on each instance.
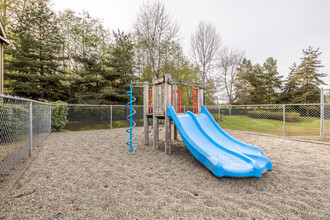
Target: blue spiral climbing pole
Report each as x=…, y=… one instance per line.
x=130, y=119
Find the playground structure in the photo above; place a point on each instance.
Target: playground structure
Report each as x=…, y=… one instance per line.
x=162, y=97
x=155, y=103
x=212, y=146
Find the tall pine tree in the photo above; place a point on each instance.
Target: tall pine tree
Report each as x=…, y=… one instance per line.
x=290, y=86
x=308, y=77
x=121, y=63
x=32, y=65
x=272, y=81
x=242, y=85
x=257, y=88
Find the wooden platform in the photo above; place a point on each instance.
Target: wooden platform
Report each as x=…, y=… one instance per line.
x=161, y=116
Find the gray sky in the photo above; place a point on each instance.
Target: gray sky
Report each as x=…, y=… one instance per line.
x=262, y=28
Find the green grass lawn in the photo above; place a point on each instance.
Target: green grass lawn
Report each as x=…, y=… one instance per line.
x=95, y=125
x=307, y=126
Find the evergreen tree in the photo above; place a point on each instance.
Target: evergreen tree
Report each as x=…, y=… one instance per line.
x=257, y=89
x=272, y=81
x=308, y=77
x=242, y=85
x=92, y=78
x=122, y=64
x=290, y=86
x=32, y=66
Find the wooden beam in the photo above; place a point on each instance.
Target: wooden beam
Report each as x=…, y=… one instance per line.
x=4, y=40
x=154, y=118
x=175, y=105
x=167, y=101
x=141, y=83
x=145, y=112
x=159, y=80
x=185, y=83
x=160, y=99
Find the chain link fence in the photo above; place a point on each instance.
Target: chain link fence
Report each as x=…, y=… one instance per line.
x=24, y=124
x=94, y=117
x=294, y=120
x=325, y=113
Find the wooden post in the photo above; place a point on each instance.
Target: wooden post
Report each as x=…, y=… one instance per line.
x=145, y=112
x=155, y=97
x=175, y=105
x=160, y=99
x=200, y=99
x=167, y=101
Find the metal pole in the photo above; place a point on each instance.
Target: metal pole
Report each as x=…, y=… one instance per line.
x=322, y=114
x=219, y=113
x=131, y=119
x=284, y=132
x=30, y=130
x=111, y=117
x=50, y=117
x=184, y=108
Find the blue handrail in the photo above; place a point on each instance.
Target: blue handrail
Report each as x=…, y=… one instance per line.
x=130, y=119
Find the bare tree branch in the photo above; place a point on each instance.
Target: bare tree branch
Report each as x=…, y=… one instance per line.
x=155, y=32
x=205, y=43
x=226, y=65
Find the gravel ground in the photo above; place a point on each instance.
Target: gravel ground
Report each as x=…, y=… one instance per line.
x=91, y=175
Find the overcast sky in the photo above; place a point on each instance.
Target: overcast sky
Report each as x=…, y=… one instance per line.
x=262, y=28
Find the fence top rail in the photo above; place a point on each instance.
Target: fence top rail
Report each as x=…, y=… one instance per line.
x=264, y=105
x=210, y=106
x=88, y=105
x=190, y=106
x=22, y=99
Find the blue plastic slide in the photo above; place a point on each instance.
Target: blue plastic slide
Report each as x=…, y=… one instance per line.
x=213, y=147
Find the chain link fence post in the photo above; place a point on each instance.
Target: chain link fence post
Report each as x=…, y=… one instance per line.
x=322, y=114
x=111, y=117
x=50, y=117
x=284, y=132
x=30, y=129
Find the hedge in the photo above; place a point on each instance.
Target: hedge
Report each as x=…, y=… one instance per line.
x=59, y=116
x=265, y=114
x=14, y=120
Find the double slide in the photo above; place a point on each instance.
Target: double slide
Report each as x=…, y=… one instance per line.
x=213, y=147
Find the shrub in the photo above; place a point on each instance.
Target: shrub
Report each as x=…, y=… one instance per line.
x=265, y=114
x=13, y=120
x=59, y=116
x=292, y=116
